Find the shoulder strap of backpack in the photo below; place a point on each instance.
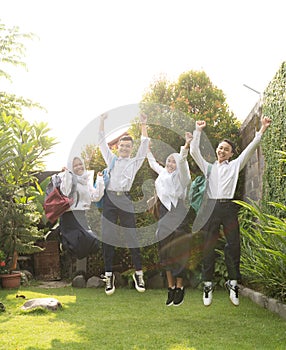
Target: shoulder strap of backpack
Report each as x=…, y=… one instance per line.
x=209, y=171
x=74, y=189
x=112, y=164
x=74, y=185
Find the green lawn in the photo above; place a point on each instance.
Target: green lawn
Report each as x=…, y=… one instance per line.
x=130, y=320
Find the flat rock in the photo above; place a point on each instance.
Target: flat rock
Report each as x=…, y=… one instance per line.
x=45, y=303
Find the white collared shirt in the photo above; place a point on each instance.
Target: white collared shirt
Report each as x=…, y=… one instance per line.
x=170, y=187
x=124, y=170
x=85, y=192
x=224, y=176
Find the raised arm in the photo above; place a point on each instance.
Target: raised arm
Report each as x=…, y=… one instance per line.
x=143, y=121
x=188, y=138
x=106, y=152
x=101, y=121
x=98, y=191
x=185, y=175
x=154, y=165
x=251, y=147
x=144, y=144
x=195, y=146
x=265, y=123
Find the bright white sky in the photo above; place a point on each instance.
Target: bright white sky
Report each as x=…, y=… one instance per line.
x=93, y=56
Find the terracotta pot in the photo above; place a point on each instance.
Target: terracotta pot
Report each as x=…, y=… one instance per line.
x=11, y=281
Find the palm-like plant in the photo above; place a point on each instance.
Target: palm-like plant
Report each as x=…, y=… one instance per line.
x=22, y=148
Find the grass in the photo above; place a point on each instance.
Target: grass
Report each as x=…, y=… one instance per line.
x=130, y=320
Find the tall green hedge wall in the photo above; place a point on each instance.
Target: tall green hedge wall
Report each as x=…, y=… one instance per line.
x=274, y=106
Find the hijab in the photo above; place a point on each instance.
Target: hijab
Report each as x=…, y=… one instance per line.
x=168, y=185
x=84, y=177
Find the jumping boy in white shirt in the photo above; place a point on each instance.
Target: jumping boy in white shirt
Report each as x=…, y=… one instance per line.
x=221, y=188
x=117, y=203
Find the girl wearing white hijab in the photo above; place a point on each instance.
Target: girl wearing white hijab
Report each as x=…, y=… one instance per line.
x=77, y=236
x=171, y=187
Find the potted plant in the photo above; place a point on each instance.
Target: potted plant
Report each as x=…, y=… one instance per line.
x=3, y=268
x=18, y=230
x=22, y=148
x=9, y=279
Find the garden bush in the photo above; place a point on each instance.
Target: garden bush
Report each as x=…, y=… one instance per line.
x=263, y=258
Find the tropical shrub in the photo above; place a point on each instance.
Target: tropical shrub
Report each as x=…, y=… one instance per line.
x=263, y=258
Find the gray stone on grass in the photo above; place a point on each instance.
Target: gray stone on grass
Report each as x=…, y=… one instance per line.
x=94, y=282
x=79, y=282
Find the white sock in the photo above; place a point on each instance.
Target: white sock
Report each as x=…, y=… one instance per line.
x=233, y=283
x=108, y=274
x=208, y=283
x=139, y=273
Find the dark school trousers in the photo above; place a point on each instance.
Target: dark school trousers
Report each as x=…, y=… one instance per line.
x=224, y=215
x=119, y=228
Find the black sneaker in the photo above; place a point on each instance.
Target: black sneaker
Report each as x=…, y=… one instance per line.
x=139, y=282
x=179, y=296
x=2, y=307
x=109, y=280
x=171, y=295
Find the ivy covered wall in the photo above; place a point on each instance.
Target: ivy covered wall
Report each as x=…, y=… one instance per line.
x=252, y=174
x=274, y=141
x=264, y=176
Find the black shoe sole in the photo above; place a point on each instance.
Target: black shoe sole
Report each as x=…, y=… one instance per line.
x=178, y=303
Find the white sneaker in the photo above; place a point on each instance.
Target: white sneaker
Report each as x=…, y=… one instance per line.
x=208, y=293
x=109, y=281
x=232, y=287
x=139, y=282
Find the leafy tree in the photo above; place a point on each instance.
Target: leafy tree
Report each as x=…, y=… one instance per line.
x=93, y=158
x=173, y=108
x=23, y=147
x=12, y=53
x=192, y=97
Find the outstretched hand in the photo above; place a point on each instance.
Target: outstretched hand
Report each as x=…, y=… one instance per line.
x=188, y=137
x=200, y=124
x=103, y=116
x=265, y=123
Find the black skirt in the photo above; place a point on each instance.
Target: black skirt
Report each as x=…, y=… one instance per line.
x=174, y=239
x=77, y=237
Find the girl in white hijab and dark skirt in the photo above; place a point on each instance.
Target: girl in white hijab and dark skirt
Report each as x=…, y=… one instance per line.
x=171, y=187
x=77, y=237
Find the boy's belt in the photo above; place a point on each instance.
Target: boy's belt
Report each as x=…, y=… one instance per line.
x=119, y=193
